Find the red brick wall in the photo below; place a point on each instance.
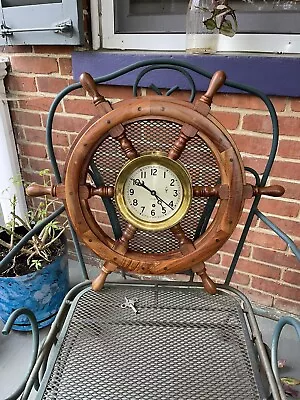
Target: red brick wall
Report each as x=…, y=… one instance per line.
x=267, y=271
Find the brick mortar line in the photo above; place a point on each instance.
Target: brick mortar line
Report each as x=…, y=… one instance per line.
x=30, y=95
x=54, y=95
x=42, y=94
x=258, y=260
x=282, y=271
x=240, y=123
x=259, y=228
x=35, y=111
x=250, y=111
x=242, y=111
x=283, y=199
x=77, y=97
x=26, y=142
x=262, y=135
x=264, y=263
x=293, y=160
x=42, y=128
x=260, y=291
x=273, y=280
x=60, y=113
x=39, y=75
x=278, y=297
x=263, y=157
x=278, y=158
x=287, y=180
x=288, y=105
x=284, y=217
x=267, y=231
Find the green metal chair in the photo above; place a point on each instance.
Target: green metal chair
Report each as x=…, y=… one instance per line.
x=183, y=343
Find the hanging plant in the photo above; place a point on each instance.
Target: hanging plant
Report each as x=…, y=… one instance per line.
x=222, y=18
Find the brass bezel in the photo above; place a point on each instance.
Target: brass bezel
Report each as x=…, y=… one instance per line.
x=150, y=159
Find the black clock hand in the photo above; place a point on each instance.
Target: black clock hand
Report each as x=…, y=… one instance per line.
x=153, y=192
x=142, y=184
x=160, y=200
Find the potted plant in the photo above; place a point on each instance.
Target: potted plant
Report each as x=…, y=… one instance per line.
x=37, y=276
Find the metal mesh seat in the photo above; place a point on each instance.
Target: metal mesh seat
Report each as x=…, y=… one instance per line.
x=182, y=344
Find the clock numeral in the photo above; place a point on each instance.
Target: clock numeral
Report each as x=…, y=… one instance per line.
x=131, y=192
x=172, y=182
x=135, y=202
x=175, y=193
x=171, y=204
x=153, y=213
x=163, y=210
x=165, y=174
x=153, y=171
x=143, y=209
x=143, y=174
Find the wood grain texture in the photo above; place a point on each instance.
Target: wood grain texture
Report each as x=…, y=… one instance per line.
x=215, y=83
x=85, y=191
x=186, y=247
x=220, y=191
x=231, y=171
x=90, y=86
x=273, y=191
x=120, y=247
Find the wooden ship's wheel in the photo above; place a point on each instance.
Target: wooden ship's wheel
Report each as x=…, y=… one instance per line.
x=153, y=190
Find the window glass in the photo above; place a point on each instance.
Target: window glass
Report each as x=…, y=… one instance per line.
x=168, y=16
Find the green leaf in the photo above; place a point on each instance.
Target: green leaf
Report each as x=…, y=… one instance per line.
x=44, y=172
x=210, y=24
x=290, y=381
x=226, y=28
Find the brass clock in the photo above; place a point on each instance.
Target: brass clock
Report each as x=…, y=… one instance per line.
x=153, y=192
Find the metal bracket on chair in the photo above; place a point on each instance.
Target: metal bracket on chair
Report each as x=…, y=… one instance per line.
x=64, y=28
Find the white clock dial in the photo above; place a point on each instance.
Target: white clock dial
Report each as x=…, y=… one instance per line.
x=153, y=193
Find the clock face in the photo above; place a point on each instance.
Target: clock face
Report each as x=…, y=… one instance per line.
x=153, y=192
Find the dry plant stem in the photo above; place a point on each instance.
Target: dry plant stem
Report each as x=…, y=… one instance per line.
x=8, y=231
x=4, y=244
x=54, y=239
x=13, y=202
x=24, y=223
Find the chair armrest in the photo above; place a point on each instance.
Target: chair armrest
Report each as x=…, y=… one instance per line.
x=35, y=344
x=275, y=341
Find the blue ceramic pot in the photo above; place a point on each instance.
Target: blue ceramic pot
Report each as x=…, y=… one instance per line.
x=42, y=292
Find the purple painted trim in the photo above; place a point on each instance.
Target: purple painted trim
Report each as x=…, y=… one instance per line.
x=272, y=75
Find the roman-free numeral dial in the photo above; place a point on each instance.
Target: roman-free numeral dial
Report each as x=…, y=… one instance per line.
x=153, y=192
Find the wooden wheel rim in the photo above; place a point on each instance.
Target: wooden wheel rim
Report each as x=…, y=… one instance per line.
x=227, y=215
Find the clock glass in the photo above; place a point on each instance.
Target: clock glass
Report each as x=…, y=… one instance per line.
x=153, y=192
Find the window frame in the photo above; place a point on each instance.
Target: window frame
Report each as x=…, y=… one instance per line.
x=241, y=42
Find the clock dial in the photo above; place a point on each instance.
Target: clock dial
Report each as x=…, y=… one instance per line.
x=153, y=193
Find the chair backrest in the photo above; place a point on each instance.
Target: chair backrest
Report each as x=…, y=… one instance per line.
x=158, y=133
